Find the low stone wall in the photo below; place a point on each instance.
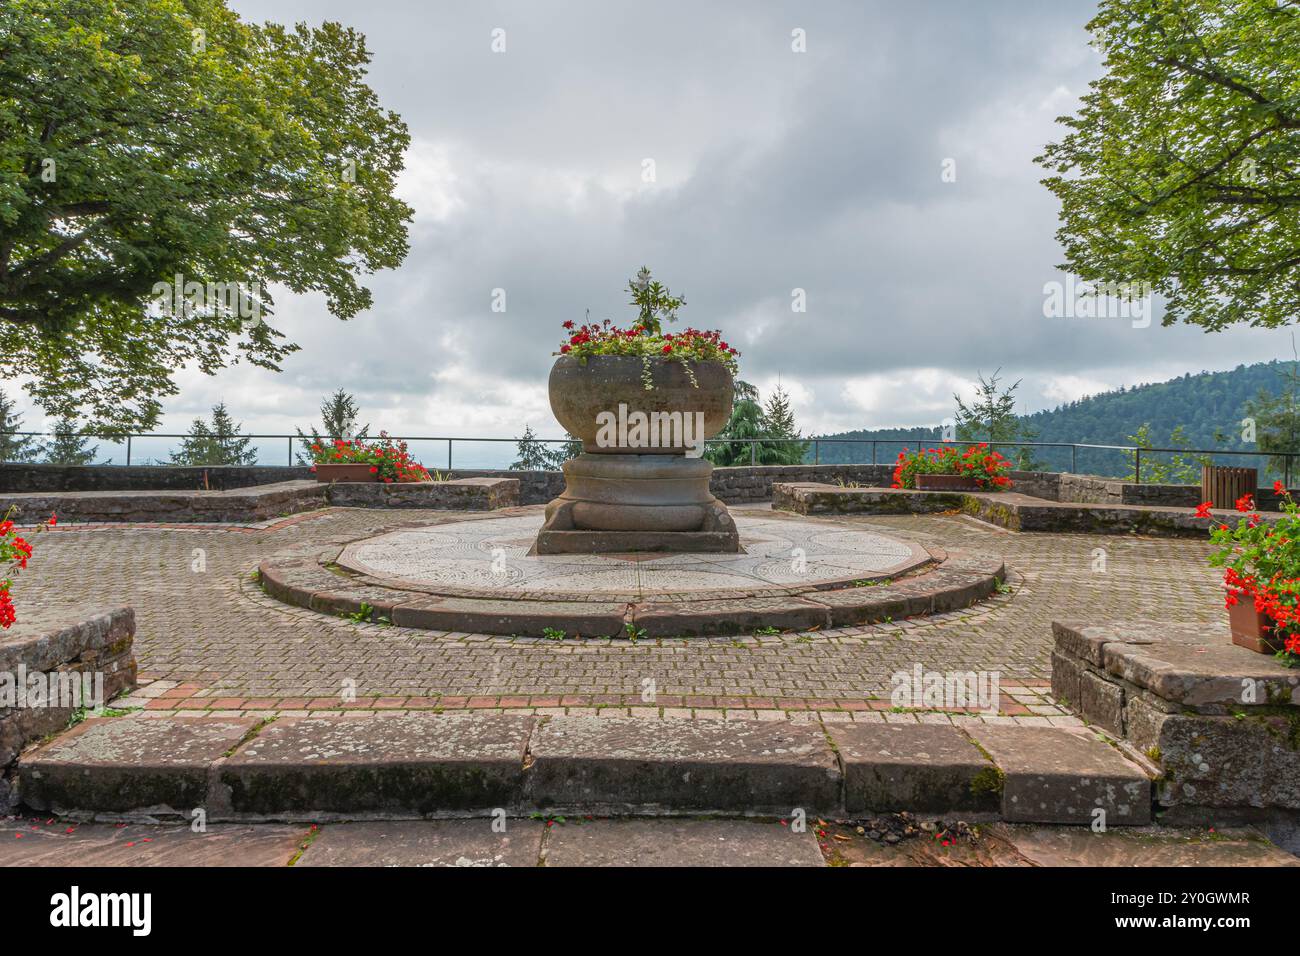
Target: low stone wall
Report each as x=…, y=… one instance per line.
x=36, y=648
x=732, y=485
x=51, y=478
x=535, y=487
x=1007, y=509
x=1222, y=723
x=1091, y=489
x=463, y=494
x=260, y=503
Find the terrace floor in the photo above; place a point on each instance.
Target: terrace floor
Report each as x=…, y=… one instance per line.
x=207, y=637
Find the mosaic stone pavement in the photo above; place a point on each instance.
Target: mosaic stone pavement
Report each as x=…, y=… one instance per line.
x=207, y=631
x=491, y=555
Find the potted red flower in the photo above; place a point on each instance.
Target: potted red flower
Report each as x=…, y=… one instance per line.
x=977, y=468
x=383, y=460
x=15, y=550
x=1261, y=573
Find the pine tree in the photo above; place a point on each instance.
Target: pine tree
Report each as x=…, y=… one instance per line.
x=778, y=422
x=217, y=444
x=338, y=415
x=70, y=446
x=531, y=452
x=14, y=447
x=992, y=417
x=746, y=422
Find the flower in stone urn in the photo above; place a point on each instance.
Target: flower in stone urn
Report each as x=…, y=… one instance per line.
x=608, y=371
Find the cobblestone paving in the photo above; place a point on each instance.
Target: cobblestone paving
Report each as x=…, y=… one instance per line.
x=207, y=631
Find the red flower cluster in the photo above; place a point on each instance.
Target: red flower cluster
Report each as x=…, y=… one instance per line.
x=1261, y=563
x=691, y=344
x=15, y=551
x=388, y=459
x=985, y=466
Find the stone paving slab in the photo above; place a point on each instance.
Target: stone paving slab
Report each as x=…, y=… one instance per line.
x=1055, y=775
x=42, y=843
x=680, y=843
x=426, y=843
x=399, y=764
x=625, y=764
x=1140, y=846
x=919, y=768
x=1088, y=640
x=1200, y=675
x=126, y=766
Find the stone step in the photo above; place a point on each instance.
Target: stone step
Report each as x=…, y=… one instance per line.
x=640, y=841
x=425, y=764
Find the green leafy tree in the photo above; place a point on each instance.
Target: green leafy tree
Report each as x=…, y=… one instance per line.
x=992, y=417
x=1178, y=468
x=1277, y=424
x=338, y=415
x=1180, y=167
x=145, y=140
x=219, y=443
x=70, y=445
x=15, y=447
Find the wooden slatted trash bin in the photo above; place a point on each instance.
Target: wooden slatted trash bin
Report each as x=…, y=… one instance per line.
x=1223, y=485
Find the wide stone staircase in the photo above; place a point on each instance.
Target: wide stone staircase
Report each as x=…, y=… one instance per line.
x=424, y=764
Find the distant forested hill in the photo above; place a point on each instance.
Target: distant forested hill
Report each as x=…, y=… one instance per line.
x=1202, y=403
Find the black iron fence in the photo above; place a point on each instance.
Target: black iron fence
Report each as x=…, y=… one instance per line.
x=1075, y=457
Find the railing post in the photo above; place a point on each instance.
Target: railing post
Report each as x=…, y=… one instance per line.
x=1074, y=459
x=290, y=451
x=449, y=454
x=817, y=453
x=1137, y=466
x=873, y=452
x=128, y=449
x=753, y=453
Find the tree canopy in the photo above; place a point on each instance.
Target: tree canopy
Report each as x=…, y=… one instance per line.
x=148, y=141
x=1180, y=167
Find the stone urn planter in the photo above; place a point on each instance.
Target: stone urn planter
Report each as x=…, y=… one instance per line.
x=926, y=482
x=1251, y=629
x=348, y=471
x=640, y=483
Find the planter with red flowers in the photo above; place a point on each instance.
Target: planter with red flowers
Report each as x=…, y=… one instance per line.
x=643, y=369
x=15, y=551
x=356, y=460
x=1261, y=573
x=948, y=468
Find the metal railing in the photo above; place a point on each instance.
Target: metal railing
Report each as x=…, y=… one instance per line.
x=816, y=444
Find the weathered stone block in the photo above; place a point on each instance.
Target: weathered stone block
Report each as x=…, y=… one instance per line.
x=1053, y=775
x=920, y=768
x=129, y=765
x=1066, y=672
x=1102, y=702
x=408, y=764
x=629, y=764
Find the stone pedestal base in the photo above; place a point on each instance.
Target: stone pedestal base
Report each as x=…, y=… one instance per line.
x=628, y=503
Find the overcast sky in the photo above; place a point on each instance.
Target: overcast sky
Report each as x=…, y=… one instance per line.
x=775, y=171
